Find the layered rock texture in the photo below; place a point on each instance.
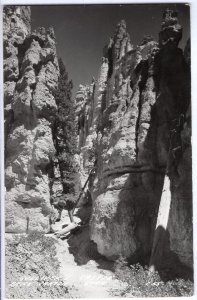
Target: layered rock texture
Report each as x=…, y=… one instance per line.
x=30, y=75
x=134, y=121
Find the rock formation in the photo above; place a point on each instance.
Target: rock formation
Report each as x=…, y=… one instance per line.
x=135, y=121
x=30, y=74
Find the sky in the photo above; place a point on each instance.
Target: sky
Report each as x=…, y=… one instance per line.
x=82, y=31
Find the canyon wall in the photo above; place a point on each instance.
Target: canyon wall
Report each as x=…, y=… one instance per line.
x=134, y=126
x=30, y=79
x=134, y=121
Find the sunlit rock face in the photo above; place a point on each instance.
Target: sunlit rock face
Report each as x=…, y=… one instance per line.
x=126, y=191
x=127, y=120
x=31, y=75
x=16, y=28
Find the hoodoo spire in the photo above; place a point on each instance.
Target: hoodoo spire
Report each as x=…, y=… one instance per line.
x=171, y=30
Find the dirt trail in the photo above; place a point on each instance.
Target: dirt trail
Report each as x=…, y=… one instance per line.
x=85, y=276
x=86, y=281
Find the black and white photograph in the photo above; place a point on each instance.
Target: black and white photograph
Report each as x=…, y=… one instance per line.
x=98, y=196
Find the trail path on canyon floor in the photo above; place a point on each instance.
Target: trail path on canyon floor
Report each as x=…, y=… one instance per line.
x=85, y=276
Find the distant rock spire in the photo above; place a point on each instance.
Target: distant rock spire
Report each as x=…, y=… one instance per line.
x=121, y=28
x=93, y=80
x=118, y=46
x=171, y=30
x=147, y=38
x=121, y=41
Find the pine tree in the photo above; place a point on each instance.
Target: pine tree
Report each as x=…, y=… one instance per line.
x=65, y=138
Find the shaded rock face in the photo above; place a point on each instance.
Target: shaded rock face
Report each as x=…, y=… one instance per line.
x=180, y=173
x=127, y=123
x=31, y=75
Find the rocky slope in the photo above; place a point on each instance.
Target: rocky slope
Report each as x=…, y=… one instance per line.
x=30, y=74
x=135, y=121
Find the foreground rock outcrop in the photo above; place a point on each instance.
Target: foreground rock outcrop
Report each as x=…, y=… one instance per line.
x=134, y=121
x=31, y=75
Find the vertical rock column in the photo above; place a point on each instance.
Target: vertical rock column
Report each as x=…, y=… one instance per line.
x=173, y=241
x=29, y=145
x=180, y=224
x=126, y=186
x=145, y=90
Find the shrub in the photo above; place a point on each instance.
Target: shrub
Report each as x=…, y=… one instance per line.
x=142, y=283
x=32, y=270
